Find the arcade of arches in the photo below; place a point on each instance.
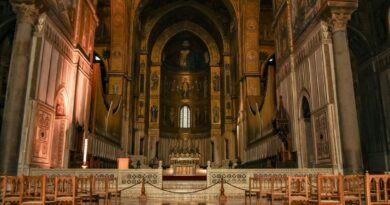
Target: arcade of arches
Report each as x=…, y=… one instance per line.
x=248, y=83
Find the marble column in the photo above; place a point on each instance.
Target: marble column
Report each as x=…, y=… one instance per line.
x=16, y=90
x=349, y=130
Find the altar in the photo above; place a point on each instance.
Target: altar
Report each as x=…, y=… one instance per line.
x=184, y=164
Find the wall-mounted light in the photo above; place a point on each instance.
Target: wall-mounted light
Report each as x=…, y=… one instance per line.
x=97, y=58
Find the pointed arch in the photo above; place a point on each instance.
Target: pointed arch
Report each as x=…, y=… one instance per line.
x=171, y=31
x=59, y=137
x=61, y=102
x=151, y=23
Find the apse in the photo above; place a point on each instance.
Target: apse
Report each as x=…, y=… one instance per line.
x=182, y=74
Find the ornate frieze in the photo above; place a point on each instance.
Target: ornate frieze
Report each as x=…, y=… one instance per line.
x=310, y=44
x=47, y=29
x=283, y=71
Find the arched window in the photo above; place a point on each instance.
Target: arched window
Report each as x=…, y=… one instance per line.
x=185, y=117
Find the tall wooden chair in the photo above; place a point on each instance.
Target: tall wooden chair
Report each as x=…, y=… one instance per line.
x=100, y=189
x=262, y=187
x=84, y=188
x=330, y=190
x=266, y=186
x=253, y=189
x=12, y=190
x=377, y=189
x=34, y=191
x=278, y=189
x=297, y=189
x=353, y=188
x=50, y=188
x=113, y=188
x=65, y=190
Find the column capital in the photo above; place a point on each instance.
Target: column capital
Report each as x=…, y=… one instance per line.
x=26, y=13
x=338, y=19
x=338, y=13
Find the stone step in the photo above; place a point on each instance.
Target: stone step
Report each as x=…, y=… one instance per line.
x=184, y=185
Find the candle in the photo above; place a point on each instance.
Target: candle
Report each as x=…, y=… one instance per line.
x=85, y=151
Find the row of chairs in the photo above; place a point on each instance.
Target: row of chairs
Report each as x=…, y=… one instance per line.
x=57, y=189
x=324, y=189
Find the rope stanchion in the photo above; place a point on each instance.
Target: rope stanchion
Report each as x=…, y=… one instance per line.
x=222, y=197
x=142, y=198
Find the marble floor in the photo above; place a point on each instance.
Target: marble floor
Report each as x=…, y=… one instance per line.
x=184, y=201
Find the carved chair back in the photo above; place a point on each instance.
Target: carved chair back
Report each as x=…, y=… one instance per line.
x=254, y=188
x=297, y=189
x=84, y=187
x=278, y=188
x=65, y=189
x=50, y=187
x=34, y=190
x=100, y=188
x=12, y=189
x=377, y=189
x=330, y=190
x=353, y=188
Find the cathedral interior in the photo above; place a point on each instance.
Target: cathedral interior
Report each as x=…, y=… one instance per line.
x=225, y=83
